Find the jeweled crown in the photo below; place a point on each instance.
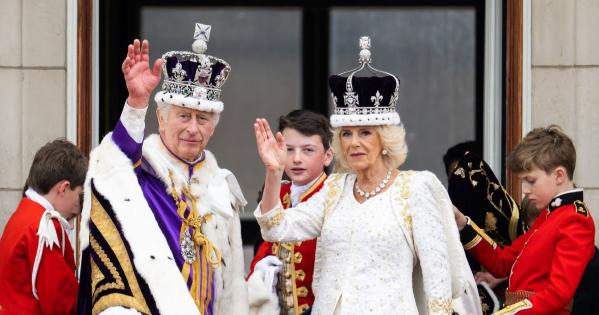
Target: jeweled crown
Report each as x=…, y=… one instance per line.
x=194, y=79
x=368, y=100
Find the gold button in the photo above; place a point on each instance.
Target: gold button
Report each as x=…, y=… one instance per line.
x=302, y=292
x=302, y=308
x=298, y=258
x=287, y=274
x=300, y=275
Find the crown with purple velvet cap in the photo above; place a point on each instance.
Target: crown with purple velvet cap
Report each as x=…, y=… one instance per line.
x=193, y=79
x=364, y=101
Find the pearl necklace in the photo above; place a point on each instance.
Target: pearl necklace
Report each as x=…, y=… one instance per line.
x=377, y=189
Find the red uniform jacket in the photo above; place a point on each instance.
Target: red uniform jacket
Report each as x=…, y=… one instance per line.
x=547, y=261
x=303, y=252
x=56, y=283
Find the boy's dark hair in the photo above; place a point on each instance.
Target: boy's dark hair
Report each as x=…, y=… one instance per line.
x=456, y=152
x=55, y=161
x=545, y=148
x=308, y=123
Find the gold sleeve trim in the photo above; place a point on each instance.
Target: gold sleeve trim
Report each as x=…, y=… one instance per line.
x=482, y=234
x=473, y=243
x=514, y=308
x=271, y=220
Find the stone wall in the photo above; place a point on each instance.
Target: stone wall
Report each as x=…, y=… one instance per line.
x=33, y=88
x=565, y=81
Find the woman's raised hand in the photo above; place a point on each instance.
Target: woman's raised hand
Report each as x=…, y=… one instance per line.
x=140, y=79
x=271, y=148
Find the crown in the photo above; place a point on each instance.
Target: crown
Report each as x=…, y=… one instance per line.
x=364, y=101
x=193, y=79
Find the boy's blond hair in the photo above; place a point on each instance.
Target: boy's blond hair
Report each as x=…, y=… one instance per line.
x=546, y=149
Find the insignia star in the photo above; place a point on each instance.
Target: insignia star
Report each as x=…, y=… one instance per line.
x=556, y=203
x=202, y=32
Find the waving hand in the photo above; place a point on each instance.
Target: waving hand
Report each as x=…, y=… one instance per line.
x=140, y=79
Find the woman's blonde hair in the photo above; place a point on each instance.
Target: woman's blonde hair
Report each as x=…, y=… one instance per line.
x=393, y=139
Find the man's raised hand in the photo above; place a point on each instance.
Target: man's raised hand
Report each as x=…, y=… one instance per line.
x=139, y=78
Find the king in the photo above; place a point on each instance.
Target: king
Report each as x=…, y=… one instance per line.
x=160, y=226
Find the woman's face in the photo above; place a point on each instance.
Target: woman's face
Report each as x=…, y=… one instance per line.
x=361, y=146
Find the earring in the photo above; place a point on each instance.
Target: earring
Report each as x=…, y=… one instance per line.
x=384, y=152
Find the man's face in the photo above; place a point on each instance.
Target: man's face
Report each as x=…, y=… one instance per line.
x=539, y=187
x=186, y=132
x=306, y=156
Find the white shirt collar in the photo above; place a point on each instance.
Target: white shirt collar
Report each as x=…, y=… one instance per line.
x=297, y=190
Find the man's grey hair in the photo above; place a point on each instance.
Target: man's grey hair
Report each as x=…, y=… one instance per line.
x=165, y=108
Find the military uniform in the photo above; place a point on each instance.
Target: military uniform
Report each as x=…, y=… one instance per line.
x=476, y=191
x=545, y=264
x=295, y=278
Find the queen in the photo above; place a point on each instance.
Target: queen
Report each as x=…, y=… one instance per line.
x=387, y=241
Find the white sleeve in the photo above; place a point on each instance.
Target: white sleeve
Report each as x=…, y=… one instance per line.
x=302, y=222
x=430, y=243
x=134, y=120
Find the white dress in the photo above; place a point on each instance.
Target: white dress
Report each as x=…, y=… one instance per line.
x=367, y=253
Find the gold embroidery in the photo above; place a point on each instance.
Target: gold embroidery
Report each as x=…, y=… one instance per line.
x=460, y=172
x=332, y=193
x=482, y=234
x=490, y=222
x=401, y=200
x=581, y=208
x=300, y=275
x=297, y=258
x=302, y=292
x=512, y=309
x=108, y=230
x=473, y=242
x=316, y=184
x=440, y=305
x=276, y=219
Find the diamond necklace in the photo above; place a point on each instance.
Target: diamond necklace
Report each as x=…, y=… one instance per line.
x=377, y=189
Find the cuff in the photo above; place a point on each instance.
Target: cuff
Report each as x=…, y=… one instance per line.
x=471, y=235
x=133, y=119
x=271, y=218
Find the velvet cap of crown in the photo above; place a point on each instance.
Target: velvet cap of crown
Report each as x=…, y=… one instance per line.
x=364, y=100
x=193, y=79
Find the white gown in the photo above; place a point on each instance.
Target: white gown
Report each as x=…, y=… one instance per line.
x=368, y=254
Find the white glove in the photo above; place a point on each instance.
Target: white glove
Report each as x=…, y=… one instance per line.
x=269, y=268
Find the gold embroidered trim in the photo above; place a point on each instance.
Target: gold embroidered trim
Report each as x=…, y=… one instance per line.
x=482, y=234
x=440, y=305
x=470, y=245
x=512, y=309
x=107, y=229
x=401, y=200
x=273, y=220
x=317, y=183
x=300, y=275
x=302, y=292
x=297, y=258
x=332, y=193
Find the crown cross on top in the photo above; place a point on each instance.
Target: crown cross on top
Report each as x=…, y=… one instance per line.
x=202, y=32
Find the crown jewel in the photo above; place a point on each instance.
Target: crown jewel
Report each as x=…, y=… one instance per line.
x=367, y=100
x=194, y=79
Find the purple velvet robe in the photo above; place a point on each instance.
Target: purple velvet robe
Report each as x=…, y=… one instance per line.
x=164, y=207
